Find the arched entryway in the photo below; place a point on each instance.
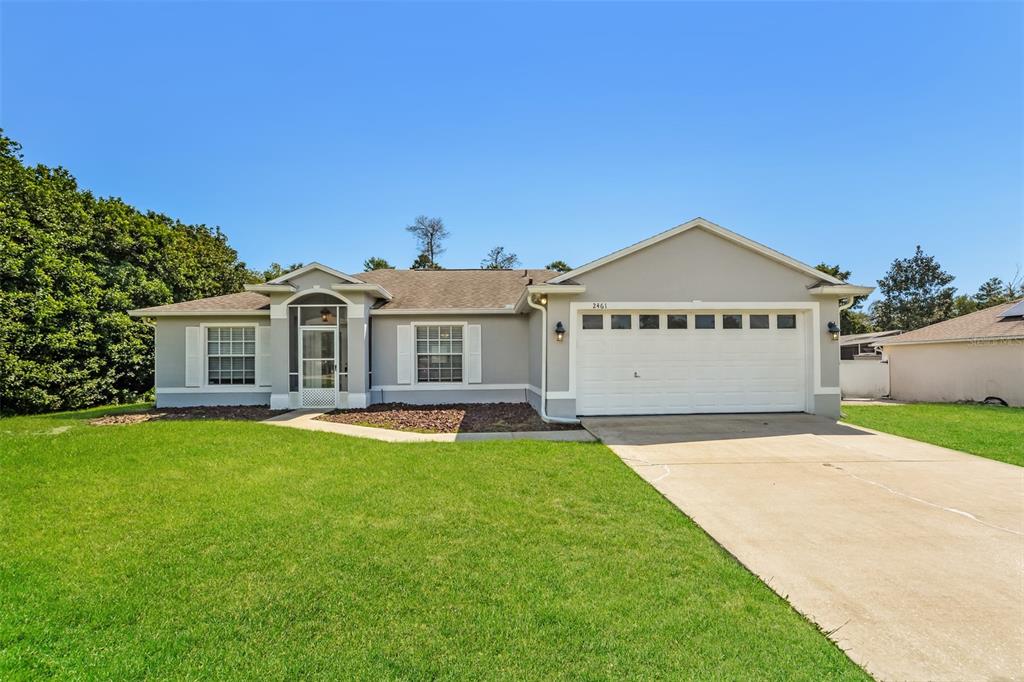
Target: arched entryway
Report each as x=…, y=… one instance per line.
x=318, y=349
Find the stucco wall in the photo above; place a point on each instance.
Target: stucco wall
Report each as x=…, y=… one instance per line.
x=170, y=345
x=947, y=372
x=699, y=266
x=504, y=347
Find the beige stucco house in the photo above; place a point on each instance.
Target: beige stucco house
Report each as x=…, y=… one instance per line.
x=971, y=357
x=695, y=319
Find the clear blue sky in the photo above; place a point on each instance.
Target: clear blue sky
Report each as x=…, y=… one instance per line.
x=840, y=132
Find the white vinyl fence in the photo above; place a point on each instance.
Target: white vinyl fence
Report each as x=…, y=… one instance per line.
x=863, y=378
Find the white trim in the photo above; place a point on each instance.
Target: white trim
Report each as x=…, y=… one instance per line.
x=204, y=339
x=315, y=266
x=454, y=387
x=710, y=227
x=230, y=388
x=335, y=333
x=840, y=290
x=415, y=379
x=561, y=395
x=533, y=389
x=967, y=339
x=270, y=288
x=444, y=311
x=279, y=311
x=357, y=311
x=813, y=308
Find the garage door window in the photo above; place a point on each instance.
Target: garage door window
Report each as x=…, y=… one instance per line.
x=704, y=321
x=622, y=321
x=593, y=321
x=677, y=321
x=650, y=321
x=732, y=322
x=758, y=321
x=786, y=321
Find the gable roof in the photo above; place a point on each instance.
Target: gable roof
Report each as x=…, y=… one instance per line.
x=245, y=303
x=314, y=266
x=983, y=325
x=712, y=228
x=850, y=339
x=455, y=290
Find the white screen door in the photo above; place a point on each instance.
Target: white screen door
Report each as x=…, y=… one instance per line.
x=318, y=367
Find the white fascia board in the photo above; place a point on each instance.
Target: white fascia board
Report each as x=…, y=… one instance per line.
x=966, y=339
x=270, y=288
x=710, y=227
x=556, y=288
x=443, y=311
x=314, y=266
x=840, y=290
x=375, y=289
x=200, y=313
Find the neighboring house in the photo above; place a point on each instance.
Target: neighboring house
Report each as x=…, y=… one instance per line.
x=863, y=346
x=863, y=368
x=971, y=357
x=695, y=319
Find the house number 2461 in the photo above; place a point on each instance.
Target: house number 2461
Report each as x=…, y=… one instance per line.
x=600, y=306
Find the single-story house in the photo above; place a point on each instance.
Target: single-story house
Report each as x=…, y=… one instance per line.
x=972, y=357
x=695, y=319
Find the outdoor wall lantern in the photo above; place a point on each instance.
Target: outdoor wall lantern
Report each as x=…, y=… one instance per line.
x=833, y=329
x=559, y=332
x=543, y=299
x=325, y=315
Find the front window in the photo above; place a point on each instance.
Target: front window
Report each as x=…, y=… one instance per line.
x=230, y=355
x=439, y=354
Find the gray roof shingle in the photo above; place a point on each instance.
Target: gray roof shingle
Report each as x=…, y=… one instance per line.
x=456, y=289
x=247, y=301
x=980, y=325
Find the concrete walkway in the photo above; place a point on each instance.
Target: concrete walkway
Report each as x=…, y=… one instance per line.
x=910, y=555
x=307, y=419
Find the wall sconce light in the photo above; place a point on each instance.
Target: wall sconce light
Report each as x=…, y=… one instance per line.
x=833, y=329
x=559, y=332
x=543, y=300
x=325, y=315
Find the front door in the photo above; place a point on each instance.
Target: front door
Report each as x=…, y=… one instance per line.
x=318, y=375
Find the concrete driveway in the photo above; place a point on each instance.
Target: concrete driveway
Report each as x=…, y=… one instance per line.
x=910, y=555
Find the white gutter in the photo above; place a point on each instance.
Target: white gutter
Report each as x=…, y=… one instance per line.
x=544, y=367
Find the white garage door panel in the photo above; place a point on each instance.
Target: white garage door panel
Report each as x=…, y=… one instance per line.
x=667, y=371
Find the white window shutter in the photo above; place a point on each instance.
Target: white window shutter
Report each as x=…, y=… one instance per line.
x=474, y=365
x=193, y=356
x=404, y=364
x=263, y=356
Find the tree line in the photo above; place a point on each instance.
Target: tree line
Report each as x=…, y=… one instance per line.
x=72, y=265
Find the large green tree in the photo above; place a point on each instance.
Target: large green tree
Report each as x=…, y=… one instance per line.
x=71, y=265
x=852, y=320
x=916, y=292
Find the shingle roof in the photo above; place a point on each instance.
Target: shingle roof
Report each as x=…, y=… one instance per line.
x=457, y=289
x=246, y=301
x=980, y=325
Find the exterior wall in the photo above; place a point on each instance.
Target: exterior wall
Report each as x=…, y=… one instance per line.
x=696, y=266
x=948, y=372
x=864, y=378
x=169, y=374
x=505, y=361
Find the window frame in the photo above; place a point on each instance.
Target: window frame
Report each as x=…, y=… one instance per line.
x=463, y=355
x=611, y=322
x=714, y=321
x=767, y=320
x=729, y=315
x=668, y=323
x=639, y=323
x=600, y=316
x=205, y=342
x=778, y=316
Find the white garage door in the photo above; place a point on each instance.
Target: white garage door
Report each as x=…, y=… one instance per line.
x=637, y=362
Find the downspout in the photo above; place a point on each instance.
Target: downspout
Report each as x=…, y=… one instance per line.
x=544, y=367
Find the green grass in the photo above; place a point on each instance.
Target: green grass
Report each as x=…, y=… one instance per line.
x=202, y=550
x=985, y=430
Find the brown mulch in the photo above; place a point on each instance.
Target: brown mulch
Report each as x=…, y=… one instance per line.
x=456, y=418
x=232, y=412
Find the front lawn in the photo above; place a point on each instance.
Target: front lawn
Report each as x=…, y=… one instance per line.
x=985, y=430
x=210, y=549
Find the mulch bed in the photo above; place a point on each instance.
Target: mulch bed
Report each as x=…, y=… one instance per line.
x=232, y=412
x=456, y=418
